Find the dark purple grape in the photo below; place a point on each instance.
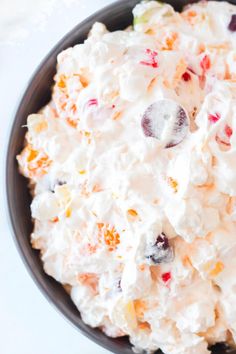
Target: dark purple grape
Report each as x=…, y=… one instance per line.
x=232, y=24
x=161, y=251
x=221, y=348
x=162, y=242
x=166, y=121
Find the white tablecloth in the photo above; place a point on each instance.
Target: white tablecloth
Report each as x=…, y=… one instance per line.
x=28, y=323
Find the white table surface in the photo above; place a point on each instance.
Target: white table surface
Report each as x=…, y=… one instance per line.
x=28, y=323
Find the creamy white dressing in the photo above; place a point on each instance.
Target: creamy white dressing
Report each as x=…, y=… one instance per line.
x=104, y=193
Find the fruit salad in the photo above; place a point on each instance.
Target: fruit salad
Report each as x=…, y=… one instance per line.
x=132, y=170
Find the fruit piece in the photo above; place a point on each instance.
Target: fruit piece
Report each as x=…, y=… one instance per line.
x=186, y=76
x=92, y=102
x=213, y=118
x=145, y=326
x=32, y=154
x=132, y=215
x=62, y=81
x=161, y=251
x=166, y=277
x=192, y=13
x=132, y=212
x=224, y=136
x=173, y=184
x=166, y=121
x=68, y=212
x=170, y=41
x=228, y=131
x=144, y=18
x=140, y=308
x=33, y=162
x=74, y=108
x=73, y=123
x=139, y=20
x=111, y=238
x=214, y=269
x=162, y=241
x=109, y=235
x=100, y=226
x=152, y=59
x=232, y=24
x=217, y=269
x=205, y=63
x=116, y=115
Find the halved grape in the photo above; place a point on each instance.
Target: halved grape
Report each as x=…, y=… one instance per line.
x=166, y=121
x=232, y=24
x=145, y=17
x=161, y=251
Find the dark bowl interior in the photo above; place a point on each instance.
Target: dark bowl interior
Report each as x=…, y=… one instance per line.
x=116, y=16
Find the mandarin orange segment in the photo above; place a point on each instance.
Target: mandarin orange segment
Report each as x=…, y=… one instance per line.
x=145, y=326
x=62, y=82
x=111, y=238
x=37, y=162
x=108, y=235
x=140, y=308
x=219, y=266
x=68, y=212
x=214, y=268
x=173, y=184
x=72, y=122
x=32, y=155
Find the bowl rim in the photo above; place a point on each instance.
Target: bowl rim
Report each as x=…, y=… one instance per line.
x=55, y=50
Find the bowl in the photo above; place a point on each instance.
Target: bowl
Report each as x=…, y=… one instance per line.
x=116, y=16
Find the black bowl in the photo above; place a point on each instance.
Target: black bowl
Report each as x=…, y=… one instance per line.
x=116, y=16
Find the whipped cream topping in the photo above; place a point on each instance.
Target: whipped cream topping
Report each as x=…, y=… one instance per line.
x=142, y=236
